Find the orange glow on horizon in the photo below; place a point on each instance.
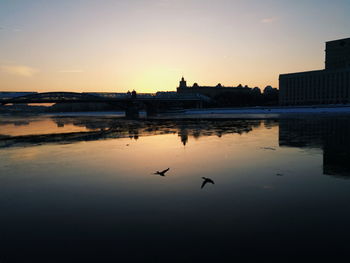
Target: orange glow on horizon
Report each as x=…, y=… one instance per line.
x=148, y=45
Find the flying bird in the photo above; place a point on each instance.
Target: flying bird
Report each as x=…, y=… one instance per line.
x=206, y=180
x=162, y=173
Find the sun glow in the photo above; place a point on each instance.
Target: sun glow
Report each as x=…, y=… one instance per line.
x=146, y=46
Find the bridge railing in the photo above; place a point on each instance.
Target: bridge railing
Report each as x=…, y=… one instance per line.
x=158, y=95
x=95, y=96
x=119, y=95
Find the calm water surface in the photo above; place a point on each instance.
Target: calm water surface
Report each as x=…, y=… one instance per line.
x=83, y=188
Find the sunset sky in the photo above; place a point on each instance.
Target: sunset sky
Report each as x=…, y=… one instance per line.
x=147, y=45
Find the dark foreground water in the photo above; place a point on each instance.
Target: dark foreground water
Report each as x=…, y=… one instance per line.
x=83, y=189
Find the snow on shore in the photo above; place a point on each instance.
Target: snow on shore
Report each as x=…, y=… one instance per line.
x=87, y=113
x=282, y=110
x=268, y=112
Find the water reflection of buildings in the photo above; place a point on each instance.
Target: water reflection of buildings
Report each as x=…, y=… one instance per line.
x=197, y=129
x=329, y=134
x=184, y=128
x=111, y=128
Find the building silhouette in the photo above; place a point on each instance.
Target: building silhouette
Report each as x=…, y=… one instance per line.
x=211, y=91
x=227, y=96
x=328, y=86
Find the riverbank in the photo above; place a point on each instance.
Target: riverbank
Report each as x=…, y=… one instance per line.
x=273, y=110
x=249, y=112
x=258, y=112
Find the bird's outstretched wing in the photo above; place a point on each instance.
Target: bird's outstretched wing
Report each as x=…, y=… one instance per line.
x=159, y=173
x=163, y=172
x=206, y=180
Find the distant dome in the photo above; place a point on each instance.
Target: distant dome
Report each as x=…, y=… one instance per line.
x=195, y=85
x=219, y=85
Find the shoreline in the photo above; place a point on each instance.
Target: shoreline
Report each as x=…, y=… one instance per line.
x=259, y=112
x=273, y=110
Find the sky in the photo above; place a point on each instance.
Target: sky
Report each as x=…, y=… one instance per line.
x=148, y=45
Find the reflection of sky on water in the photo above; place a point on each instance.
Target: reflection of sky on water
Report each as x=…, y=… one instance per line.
x=101, y=196
x=34, y=125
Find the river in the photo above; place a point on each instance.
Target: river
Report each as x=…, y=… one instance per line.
x=83, y=188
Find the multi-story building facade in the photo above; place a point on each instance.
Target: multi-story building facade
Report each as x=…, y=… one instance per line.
x=328, y=86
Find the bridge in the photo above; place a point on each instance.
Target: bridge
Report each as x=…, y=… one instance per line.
x=132, y=104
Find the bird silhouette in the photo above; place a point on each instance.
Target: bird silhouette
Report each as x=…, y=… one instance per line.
x=206, y=180
x=162, y=173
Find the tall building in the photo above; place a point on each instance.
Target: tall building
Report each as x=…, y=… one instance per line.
x=338, y=54
x=328, y=86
